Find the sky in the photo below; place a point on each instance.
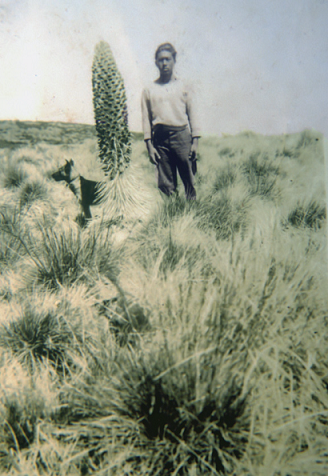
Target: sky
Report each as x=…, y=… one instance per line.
x=259, y=65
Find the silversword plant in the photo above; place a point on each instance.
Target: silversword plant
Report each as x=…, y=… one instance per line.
x=110, y=109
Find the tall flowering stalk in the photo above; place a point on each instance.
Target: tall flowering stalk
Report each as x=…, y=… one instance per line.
x=110, y=109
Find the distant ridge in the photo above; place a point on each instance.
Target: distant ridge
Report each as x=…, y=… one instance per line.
x=14, y=134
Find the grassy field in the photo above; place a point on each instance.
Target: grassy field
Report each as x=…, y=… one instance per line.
x=165, y=337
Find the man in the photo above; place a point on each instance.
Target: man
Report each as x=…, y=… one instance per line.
x=170, y=127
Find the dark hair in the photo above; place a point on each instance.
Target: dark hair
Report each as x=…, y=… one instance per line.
x=166, y=47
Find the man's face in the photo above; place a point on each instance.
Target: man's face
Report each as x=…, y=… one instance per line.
x=165, y=64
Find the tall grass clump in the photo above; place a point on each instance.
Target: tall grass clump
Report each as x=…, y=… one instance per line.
x=219, y=212
x=13, y=175
x=52, y=330
x=171, y=240
x=225, y=177
x=69, y=255
x=11, y=248
x=26, y=405
x=307, y=215
x=31, y=191
x=9, y=251
x=172, y=402
x=261, y=174
x=62, y=255
x=307, y=138
x=36, y=335
x=166, y=212
x=169, y=254
x=20, y=416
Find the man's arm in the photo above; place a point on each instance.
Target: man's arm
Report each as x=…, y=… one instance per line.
x=194, y=126
x=154, y=156
x=192, y=112
x=193, y=149
x=146, y=114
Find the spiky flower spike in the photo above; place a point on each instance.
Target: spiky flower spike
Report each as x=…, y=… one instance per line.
x=110, y=109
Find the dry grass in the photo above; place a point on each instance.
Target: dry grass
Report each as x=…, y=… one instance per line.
x=166, y=337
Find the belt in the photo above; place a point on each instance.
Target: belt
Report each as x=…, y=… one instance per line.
x=165, y=128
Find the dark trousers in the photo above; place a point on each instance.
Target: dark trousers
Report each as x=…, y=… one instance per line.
x=173, y=145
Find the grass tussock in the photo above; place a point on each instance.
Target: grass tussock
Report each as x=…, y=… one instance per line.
x=220, y=213
x=261, y=174
x=224, y=178
x=64, y=255
x=35, y=337
x=20, y=415
x=312, y=215
x=31, y=191
x=68, y=255
x=48, y=329
x=165, y=337
x=13, y=176
x=180, y=245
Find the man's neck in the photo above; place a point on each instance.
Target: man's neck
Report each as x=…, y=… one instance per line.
x=166, y=79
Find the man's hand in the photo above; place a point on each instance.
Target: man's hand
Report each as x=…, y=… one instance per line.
x=193, y=149
x=154, y=156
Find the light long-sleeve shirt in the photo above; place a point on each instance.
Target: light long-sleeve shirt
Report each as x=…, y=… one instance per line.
x=170, y=104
